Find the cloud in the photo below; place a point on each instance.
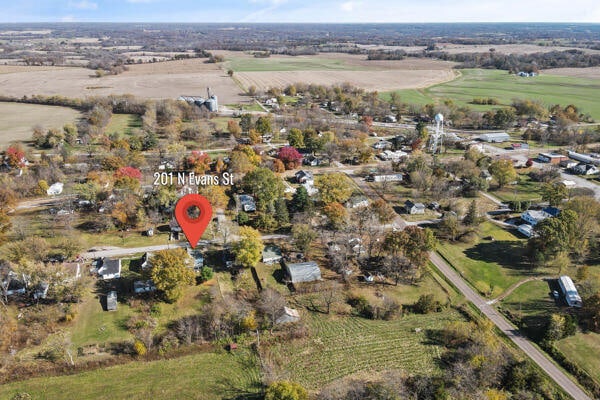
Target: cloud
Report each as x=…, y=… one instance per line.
x=67, y=18
x=350, y=5
x=83, y=5
x=272, y=2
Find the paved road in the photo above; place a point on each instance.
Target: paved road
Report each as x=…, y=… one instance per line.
x=511, y=332
x=124, y=251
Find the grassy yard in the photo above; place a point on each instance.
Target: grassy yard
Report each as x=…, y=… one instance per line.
x=299, y=63
x=352, y=346
x=583, y=349
x=549, y=89
x=123, y=123
x=526, y=189
x=491, y=266
x=206, y=376
x=245, y=107
x=532, y=303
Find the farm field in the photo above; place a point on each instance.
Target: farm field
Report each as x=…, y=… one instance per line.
x=189, y=377
x=17, y=119
x=547, y=88
x=352, y=346
x=158, y=80
x=490, y=266
x=332, y=68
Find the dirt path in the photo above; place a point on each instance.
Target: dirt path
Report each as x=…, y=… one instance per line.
x=513, y=287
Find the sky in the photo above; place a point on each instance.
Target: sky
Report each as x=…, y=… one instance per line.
x=322, y=11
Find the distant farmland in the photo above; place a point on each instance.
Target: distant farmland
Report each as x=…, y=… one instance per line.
x=331, y=69
x=549, y=89
x=17, y=120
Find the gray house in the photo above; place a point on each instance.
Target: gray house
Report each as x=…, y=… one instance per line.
x=303, y=272
x=414, y=208
x=109, y=268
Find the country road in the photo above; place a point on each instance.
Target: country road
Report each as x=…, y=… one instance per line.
x=125, y=251
x=510, y=331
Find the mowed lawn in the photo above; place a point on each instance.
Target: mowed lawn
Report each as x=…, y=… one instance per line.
x=584, y=350
x=205, y=376
x=484, y=83
x=288, y=63
x=17, y=120
x=491, y=266
x=351, y=346
x=123, y=123
x=526, y=190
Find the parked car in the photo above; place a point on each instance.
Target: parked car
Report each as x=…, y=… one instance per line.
x=555, y=294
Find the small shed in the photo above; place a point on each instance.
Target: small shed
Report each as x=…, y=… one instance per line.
x=414, y=208
x=111, y=301
x=303, y=272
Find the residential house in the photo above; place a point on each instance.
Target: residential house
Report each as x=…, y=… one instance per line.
x=568, y=163
x=551, y=211
x=109, y=268
x=389, y=155
x=382, y=145
x=526, y=230
x=303, y=272
x=312, y=161
x=384, y=178
x=585, y=169
x=533, y=217
x=145, y=261
x=247, y=203
x=357, y=202
x=304, y=177
x=271, y=254
x=414, y=208
x=287, y=315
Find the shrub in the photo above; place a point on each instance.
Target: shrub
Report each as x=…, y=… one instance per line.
x=139, y=347
x=206, y=274
x=285, y=390
x=427, y=304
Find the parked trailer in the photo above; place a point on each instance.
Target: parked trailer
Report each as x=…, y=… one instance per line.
x=584, y=158
x=570, y=291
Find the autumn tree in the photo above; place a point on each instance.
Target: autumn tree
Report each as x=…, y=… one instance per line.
x=303, y=236
x=290, y=157
x=337, y=215
x=554, y=193
x=248, y=250
x=333, y=187
x=198, y=161
x=215, y=194
x=264, y=125
x=171, y=272
x=383, y=211
x=15, y=156
x=284, y=390
x=264, y=185
x=503, y=171
x=296, y=138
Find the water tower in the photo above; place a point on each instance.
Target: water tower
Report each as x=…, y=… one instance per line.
x=436, y=140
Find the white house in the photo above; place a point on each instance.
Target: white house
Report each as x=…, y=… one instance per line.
x=288, y=315
x=414, y=208
x=526, y=230
x=533, y=217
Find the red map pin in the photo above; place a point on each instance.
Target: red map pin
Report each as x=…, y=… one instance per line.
x=192, y=223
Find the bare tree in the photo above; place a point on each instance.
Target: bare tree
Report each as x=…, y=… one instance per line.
x=271, y=303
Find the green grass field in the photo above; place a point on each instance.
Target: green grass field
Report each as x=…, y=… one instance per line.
x=299, y=63
x=583, y=349
x=549, y=89
x=491, y=266
x=526, y=189
x=123, y=123
x=206, y=376
x=351, y=346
